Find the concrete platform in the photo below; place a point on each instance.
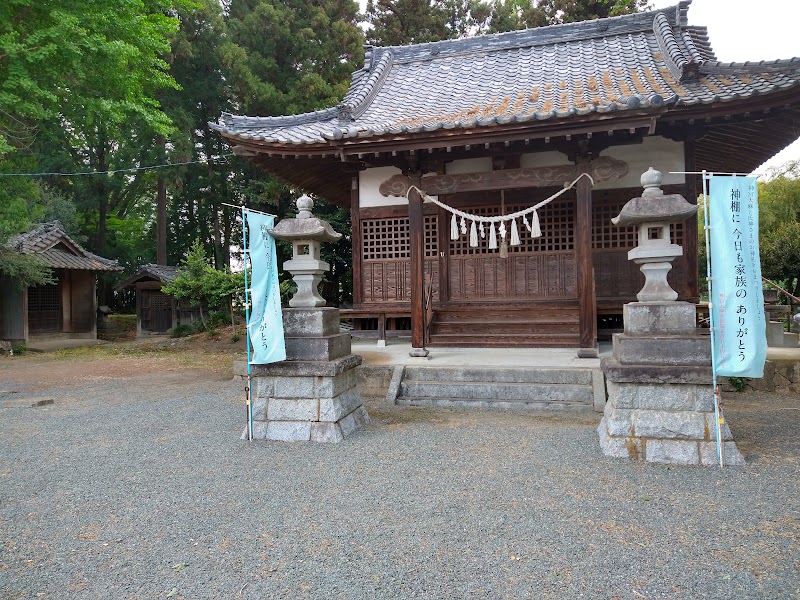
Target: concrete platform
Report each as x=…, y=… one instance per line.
x=396, y=353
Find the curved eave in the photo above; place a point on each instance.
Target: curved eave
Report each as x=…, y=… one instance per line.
x=445, y=137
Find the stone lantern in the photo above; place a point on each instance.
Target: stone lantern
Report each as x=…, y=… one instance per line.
x=313, y=394
x=653, y=213
x=660, y=404
x=306, y=232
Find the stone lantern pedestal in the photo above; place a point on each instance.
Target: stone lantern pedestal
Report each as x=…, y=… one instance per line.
x=660, y=399
x=312, y=395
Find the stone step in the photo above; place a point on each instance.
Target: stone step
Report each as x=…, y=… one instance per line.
x=500, y=375
x=483, y=404
x=493, y=392
x=791, y=340
x=775, y=331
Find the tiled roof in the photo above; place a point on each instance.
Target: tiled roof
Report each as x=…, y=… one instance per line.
x=165, y=273
x=50, y=242
x=162, y=273
x=621, y=63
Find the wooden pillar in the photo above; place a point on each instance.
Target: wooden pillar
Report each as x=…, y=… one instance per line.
x=690, y=226
x=358, y=244
x=587, y=304
x=65, y=281
x=416, y=226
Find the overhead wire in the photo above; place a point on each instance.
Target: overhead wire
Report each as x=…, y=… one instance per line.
x=112, y=171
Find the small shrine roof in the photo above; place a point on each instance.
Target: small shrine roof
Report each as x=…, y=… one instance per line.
x=50, y=242
x=162, y=273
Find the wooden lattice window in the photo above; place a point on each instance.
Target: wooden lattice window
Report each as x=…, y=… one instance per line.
x=556, y=221
x=606, y=235
x=44, y=308
x=387, y=239
x=431, y=243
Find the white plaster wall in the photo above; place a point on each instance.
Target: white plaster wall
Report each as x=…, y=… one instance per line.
x=660, y=153
x=543, y=159
x=469, y=165
x=370, y=180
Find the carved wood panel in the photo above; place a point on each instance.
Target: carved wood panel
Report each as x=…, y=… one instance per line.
x=390, y=280
x=534, y=276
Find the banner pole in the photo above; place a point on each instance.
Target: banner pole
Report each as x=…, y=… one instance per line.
x=709, y=280
x=249, y=389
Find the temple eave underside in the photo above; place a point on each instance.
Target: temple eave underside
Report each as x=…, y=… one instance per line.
x=730, y=137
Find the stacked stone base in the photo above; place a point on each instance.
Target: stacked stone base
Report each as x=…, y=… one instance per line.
x=313, y=395
x=660, y=405
x=304, y=401
x=671, y=423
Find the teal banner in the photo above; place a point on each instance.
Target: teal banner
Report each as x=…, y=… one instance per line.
x=737, y=311
x=265, y=327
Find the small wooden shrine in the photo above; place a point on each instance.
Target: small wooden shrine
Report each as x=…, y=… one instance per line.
x=157, y=312
x=495, y=124
x=66, y=308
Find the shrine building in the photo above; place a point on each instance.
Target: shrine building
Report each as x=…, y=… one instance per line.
x=495, y=124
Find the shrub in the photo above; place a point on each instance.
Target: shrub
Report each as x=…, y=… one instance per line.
x=181, y=331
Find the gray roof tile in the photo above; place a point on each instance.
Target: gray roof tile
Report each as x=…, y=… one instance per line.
x=50, y=242
x=622, y=63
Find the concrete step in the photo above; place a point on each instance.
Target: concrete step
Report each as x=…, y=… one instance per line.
x=500, y=375
x=518, y=388
x=791, y=340
x=494, y=392
x=519, y=405
x=775, y=333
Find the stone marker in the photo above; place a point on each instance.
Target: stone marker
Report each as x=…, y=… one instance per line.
x=312, y=395
x=660, y=399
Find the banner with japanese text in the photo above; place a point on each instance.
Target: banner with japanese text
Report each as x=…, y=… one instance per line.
x=740, y=335
x=265, y=326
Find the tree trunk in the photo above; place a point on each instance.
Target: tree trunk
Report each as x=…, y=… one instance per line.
x=161, y=213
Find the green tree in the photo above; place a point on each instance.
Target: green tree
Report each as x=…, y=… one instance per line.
x=779, y=226
x=21, y=206
x=201, y=284
x=75, y=61
x=291, y=56
x=398, y=22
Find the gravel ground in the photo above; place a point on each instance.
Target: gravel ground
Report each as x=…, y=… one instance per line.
x=137, y=486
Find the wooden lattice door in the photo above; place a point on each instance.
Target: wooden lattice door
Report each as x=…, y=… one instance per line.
x=541, y=268
x=44, y=309
x=156, y=311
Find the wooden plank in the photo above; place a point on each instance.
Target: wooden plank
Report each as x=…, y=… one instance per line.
x=443, y=239
x=393, y=211
x=417, y=242
x=382, y=327
x=583, y=250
